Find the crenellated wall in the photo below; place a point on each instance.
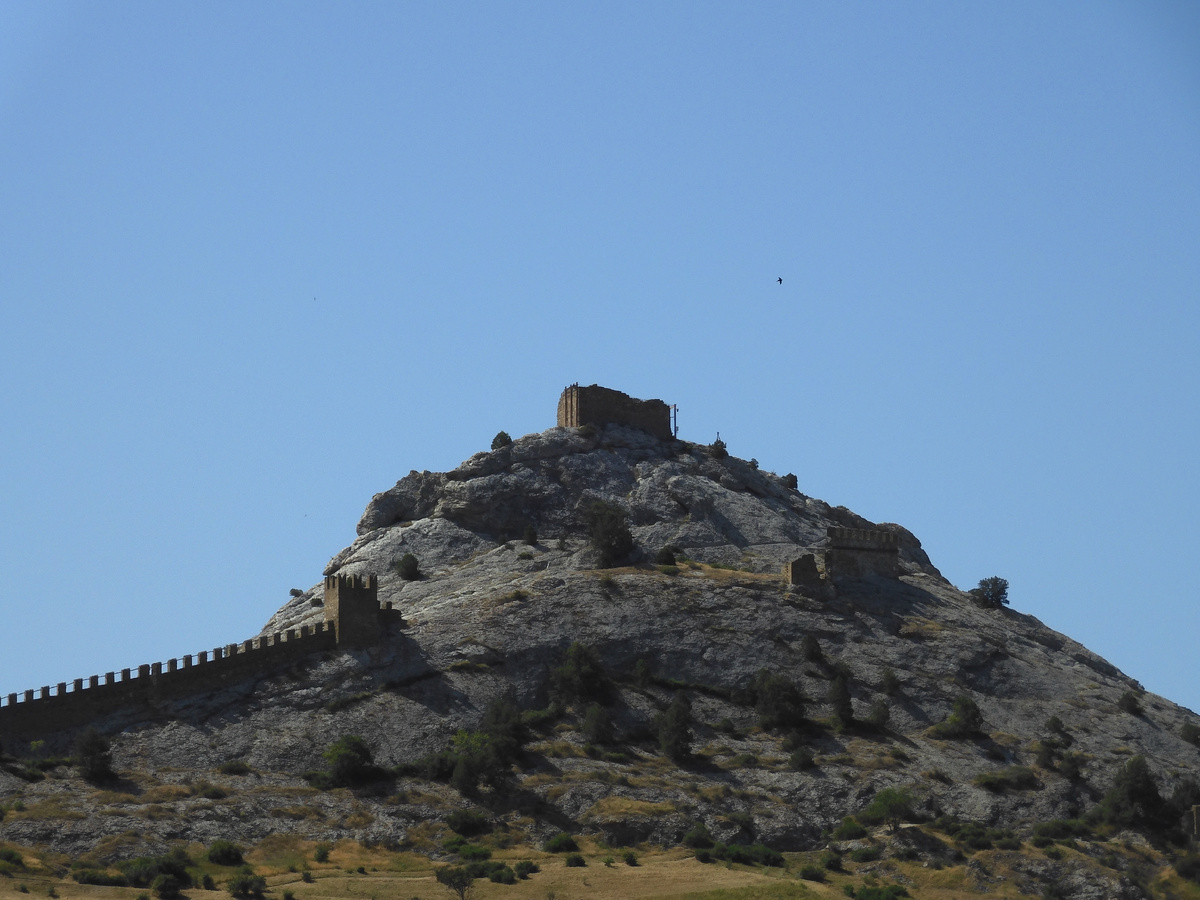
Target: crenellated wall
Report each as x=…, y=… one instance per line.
x=31, y=714
x=353, y=620
x=597, y=405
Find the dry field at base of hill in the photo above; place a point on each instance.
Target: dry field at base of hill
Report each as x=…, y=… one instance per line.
x=353, y=871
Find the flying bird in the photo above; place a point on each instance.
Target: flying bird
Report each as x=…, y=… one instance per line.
x=780, y=280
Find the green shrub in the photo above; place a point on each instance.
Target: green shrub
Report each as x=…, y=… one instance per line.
x=890, y=806
x=698, y=838
x=810, y=648
x=717, y=449
x=473, y=853
x=777, y=700
x=307, y=877
x=1188, y=866
x=225, y=853
x=665, y=557
x=289, y=895
x=95, y=876
x=866, y=854
x=321, y=853
x=234, y=767
x=1129, y=703
x=849, y=830
x=630, y=858
x=457, y=879
x=812, y=873
x=408, y=568
x=530, y=535
x=840, y=702
x=1190, y=732
x=580, y=678
x=964, y=721
x=674, y=728
x=166, y=887
x=93, y=757
x=468, y=822
x=1013, y=778
x=802, y=759
x=609, y=534
x=350, y=762
x=208, y=884
x=575, y=861
x=880, y=715
x=11, y=856
x=525, y=868
x=1133, y=800
x=246, y=884
x=598, y=725
x=560, y=843
x=790, y=481
x=501, y=440
x=832, y=860
x=503, y=875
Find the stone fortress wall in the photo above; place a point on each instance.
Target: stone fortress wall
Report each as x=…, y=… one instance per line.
x=849, y=553
x=597, y=405
x=353, y=619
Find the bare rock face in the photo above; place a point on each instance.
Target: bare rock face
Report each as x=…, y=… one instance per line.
x=491, y=615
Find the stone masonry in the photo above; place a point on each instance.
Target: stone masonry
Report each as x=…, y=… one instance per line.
x=353, y=620
x=597, y=405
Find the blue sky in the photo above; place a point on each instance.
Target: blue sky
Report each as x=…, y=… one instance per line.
x=258, y=261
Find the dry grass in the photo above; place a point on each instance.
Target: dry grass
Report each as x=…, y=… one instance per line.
x=165, y=793
x=627, y=806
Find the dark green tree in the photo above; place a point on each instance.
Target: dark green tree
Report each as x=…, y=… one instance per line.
x=890, y=806
x=840, y=701
x=598, y=725
x=581, y=677
x=717, y=449
x=675, y=728
x=608, y=531
x=1133, y=801
x=966, y=720
x=777, y=700
x=350, y=762
x=992, y=592
x=501, y=440
x=93, y=757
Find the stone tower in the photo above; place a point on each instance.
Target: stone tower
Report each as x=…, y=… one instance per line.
x=597, y=405
x=352, y=604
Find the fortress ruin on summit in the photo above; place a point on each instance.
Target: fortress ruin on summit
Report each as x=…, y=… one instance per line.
x=595, y=405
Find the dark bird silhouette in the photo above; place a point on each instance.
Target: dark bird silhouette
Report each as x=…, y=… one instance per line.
x=780, y=280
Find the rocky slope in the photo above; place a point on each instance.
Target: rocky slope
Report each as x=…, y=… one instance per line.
x=493, y=614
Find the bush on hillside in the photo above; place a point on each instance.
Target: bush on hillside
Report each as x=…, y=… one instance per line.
x=608, y=533
x=991, y=592
x=501, y=440
x=964, y=721
x=408, y=568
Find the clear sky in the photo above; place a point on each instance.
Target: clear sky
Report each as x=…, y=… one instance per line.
x=258, y=261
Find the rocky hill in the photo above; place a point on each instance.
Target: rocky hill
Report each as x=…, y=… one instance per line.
x=511, y=578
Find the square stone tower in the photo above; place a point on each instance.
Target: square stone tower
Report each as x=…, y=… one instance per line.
x=595, y=405
x=352, y=604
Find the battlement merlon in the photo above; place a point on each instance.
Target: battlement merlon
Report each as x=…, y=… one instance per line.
x=595, y=405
